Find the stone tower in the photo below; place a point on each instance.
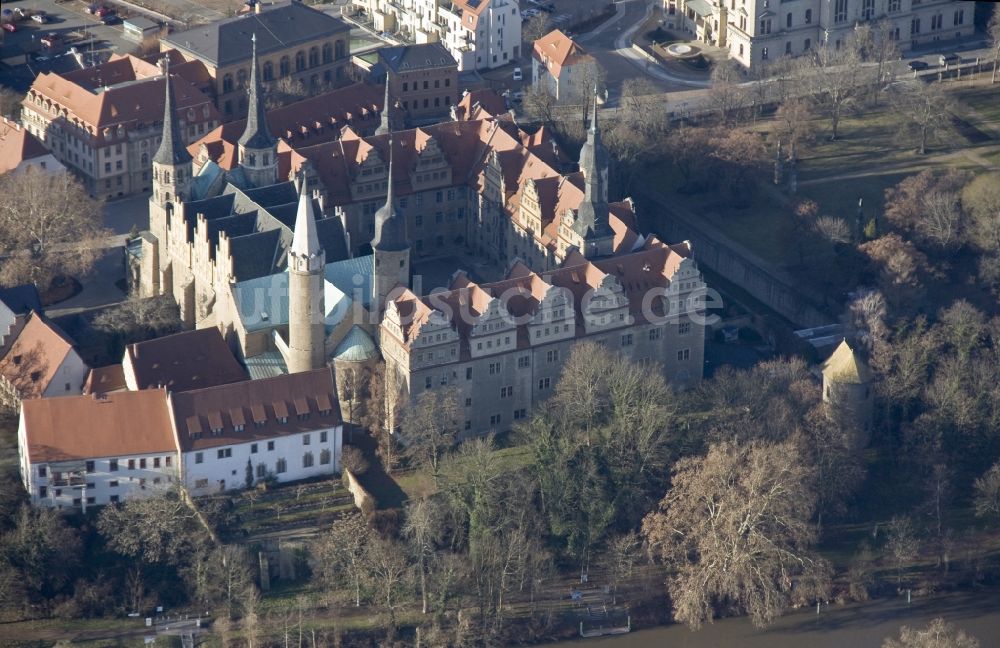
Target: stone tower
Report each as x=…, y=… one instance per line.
x=306, y=261
x=592, y=223
x=390, y=247
x=257, y=147
x=171, y=187
x=847, y=391
x=172, y=162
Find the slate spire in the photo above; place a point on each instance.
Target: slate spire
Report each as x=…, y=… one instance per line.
x=385, y=126
x=592, y=216
x=256, y=135
x=172, y=150
x=390, y=225
x=305, y=240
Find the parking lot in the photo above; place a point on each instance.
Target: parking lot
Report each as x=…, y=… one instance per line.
x=22, y=55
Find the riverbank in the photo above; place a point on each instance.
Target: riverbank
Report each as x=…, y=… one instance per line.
x=858, y=625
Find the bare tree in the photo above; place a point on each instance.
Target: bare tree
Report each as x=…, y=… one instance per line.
x=385, y=569
x=941, y=223
x=48, y=226
x=10, y=103
x=938, y=634
x=423, y=531
x=902, y=544
x=540, y=103
x=836, y=79
x=726, y=95
x=534, y=28
x=981, y=200
x=340, y=554
x=735, y=527
x=430, y=426
x=794, y=122
x=623, y=552
x=148, y=316
x=928, y=107
x=833, y=229
x=994, y=31
x=381, y=411
x=987, y=493
x=876, y=44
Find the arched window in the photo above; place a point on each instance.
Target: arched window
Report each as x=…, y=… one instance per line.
x=307, y=460
x=313, y=57
x=227, y=83
x=340, y=49
x=166, y=180
x=268, y=71
x=241, y=78
x=327, y=53
x=284, y=67
x=145, y=160
x=300, y=61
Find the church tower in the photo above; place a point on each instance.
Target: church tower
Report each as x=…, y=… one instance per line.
x=387, y=124
x=172, y=162
x=391, y=248
x=257, y=147
x=592, y=222
x=306, y=261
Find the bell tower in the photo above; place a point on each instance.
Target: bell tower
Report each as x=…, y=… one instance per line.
x=258, y=149
x=391, y=248
x=172, y=162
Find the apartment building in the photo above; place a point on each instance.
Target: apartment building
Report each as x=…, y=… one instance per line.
x=293, y=41
x=562, y=68
x=480, y=34
x=105, y=123
x=758, y=31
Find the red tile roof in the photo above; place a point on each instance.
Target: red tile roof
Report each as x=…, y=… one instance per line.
x=105, y=379
x=17, y=145
x=91, y=427
x=263, y=401
x=183, y=361
x=34, y=357
x=556, y=50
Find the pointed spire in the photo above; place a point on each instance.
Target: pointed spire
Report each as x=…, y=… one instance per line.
x=256, y=135
x=386, y=124
x=305, y=240
x=390, y=225
x=592, y=216
x=172, y=150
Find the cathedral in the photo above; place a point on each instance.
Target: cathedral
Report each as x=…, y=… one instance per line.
x=303, y=256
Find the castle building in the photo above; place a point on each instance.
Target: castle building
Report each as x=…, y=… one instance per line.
x=299, y=274
x=759, y=31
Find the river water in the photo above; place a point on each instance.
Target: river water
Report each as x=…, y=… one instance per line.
x=852, y=626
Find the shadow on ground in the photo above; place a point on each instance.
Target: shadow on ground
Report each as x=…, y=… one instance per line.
x=375, y=480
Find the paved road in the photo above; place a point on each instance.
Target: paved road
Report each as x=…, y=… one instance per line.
x=857, y=625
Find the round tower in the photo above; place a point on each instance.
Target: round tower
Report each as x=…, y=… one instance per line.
x=306, y=261
x=847, y=392
x=354, y=356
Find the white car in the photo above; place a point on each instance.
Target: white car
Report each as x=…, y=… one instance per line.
x=517, y=74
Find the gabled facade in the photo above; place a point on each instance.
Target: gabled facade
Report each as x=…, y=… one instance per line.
x=502, y=346
x=562, y=68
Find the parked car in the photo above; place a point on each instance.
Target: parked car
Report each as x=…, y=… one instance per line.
x=52, y=39
x=949, y=59
x=916, y=66
x=102, y=11
x=517, y=74
x=110, y=19
x=9, y=26
x=40, y=18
